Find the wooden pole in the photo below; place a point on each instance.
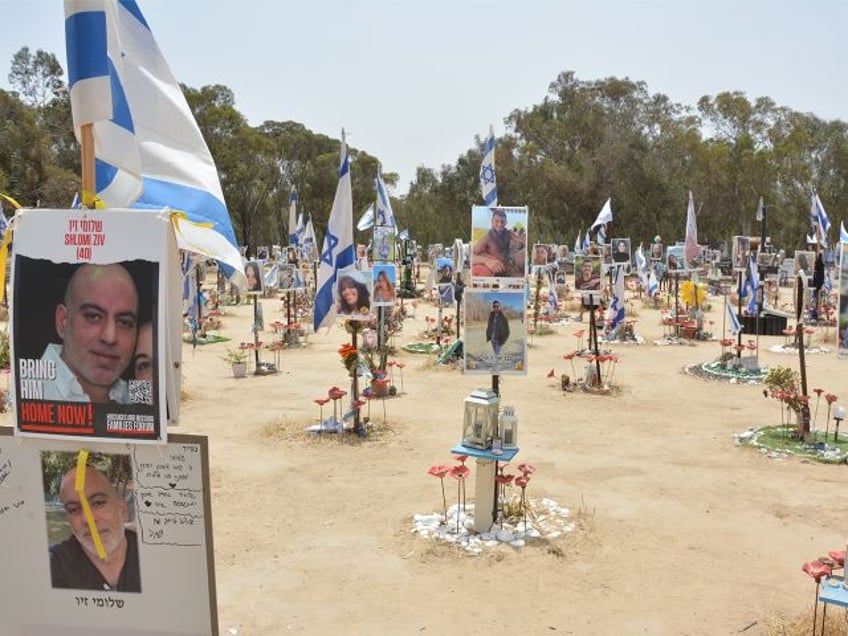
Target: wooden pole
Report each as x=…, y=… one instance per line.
x=89, y=185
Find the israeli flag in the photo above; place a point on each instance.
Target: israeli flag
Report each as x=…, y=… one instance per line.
x=75, y=203
x=843, y=233
x=384, y=215
x=753, y=283
x=653, y=285
x=301, y=228
x=577, y=243
x=4, y=222
x=149, y=152
x=309, y=242
x=403, y=234
x=820, y=220
x=642, y=266
x=338, y=251
x=293, y=218
x=602, y=235
x=615, y=313
x=553, y=299
x=604, y=216
x=735, y=327
x=488, y=183
x=586, y=243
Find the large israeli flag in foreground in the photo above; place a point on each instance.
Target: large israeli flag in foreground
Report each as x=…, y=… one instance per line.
x=488, y=182
x=149, y=152
x=338, y=251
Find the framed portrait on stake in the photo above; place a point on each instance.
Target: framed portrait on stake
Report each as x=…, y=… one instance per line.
x=498, y=244
x=89, y=325
x=495, y=336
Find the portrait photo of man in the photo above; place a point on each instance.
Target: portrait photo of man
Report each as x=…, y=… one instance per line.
x=499, y=242
x=587, y=273
x=83, y=327
x=92, y=543
x=495, y=339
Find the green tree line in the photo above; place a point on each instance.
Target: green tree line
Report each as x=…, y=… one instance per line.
x=586, y=141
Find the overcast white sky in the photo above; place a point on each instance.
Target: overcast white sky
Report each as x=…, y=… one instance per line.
x=415, y=81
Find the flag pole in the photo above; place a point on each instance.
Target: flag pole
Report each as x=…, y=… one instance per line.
x=89, y=186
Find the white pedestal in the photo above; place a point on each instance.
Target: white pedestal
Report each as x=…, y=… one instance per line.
x=484, y=495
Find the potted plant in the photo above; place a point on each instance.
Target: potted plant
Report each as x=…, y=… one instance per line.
x=237, y=359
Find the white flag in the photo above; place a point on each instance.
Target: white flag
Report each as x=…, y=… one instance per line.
x=384, y=215
x=293, y=218
x=604, y=216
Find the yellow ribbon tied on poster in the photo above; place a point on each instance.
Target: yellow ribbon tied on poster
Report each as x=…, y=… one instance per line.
x=4, y=247
x=79, y=487
x=92, y=201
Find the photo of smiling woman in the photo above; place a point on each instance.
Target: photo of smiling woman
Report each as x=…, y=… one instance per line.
x=353, y=298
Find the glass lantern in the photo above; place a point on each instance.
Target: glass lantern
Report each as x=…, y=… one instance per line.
x=508, y=427
x=481, y=419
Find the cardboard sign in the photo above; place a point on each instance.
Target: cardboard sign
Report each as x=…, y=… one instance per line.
x=167, y=580
x=91, y=335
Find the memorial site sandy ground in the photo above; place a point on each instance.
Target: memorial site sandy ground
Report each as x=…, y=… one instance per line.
x=678, y=530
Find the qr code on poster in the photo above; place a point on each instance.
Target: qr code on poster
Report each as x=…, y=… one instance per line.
x=141, y=392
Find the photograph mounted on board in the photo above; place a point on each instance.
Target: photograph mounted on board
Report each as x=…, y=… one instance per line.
x=540, y=254
x=106, y=484
x=495, y=340
x=741, y=252
x=656, y=251
x=587, y=273
x=674, y=259
x=88, y=344
x=353, y=294
x=289, y=277
x=621, y=250
x=384, y=284
x=498, y=243
x=255, y=280
x=444, y=270
x=383, y=245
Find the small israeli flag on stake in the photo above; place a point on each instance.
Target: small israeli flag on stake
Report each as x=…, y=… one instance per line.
x=735, y=327
x=488, y=182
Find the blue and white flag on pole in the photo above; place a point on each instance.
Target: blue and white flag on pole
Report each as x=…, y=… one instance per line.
x=753, y=284
x=604, y=216
x=488, y=183
x=384, y=215
x=602, y=235
x=403, y=234
x=819, y=219
x=309, y=242
x=691, y=249
x=338, y=251
x=843, y=233
x=615, y=313
x=653, y=284
x=293, y=218
x=735, y=327
x=149, y=151
x=577, y=243
x=586, y=243
x=301, y=228
x=642, y=266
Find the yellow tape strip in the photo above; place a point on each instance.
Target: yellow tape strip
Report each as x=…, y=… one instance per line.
x=79, y=486
x=178, y=216
x=14, y=203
